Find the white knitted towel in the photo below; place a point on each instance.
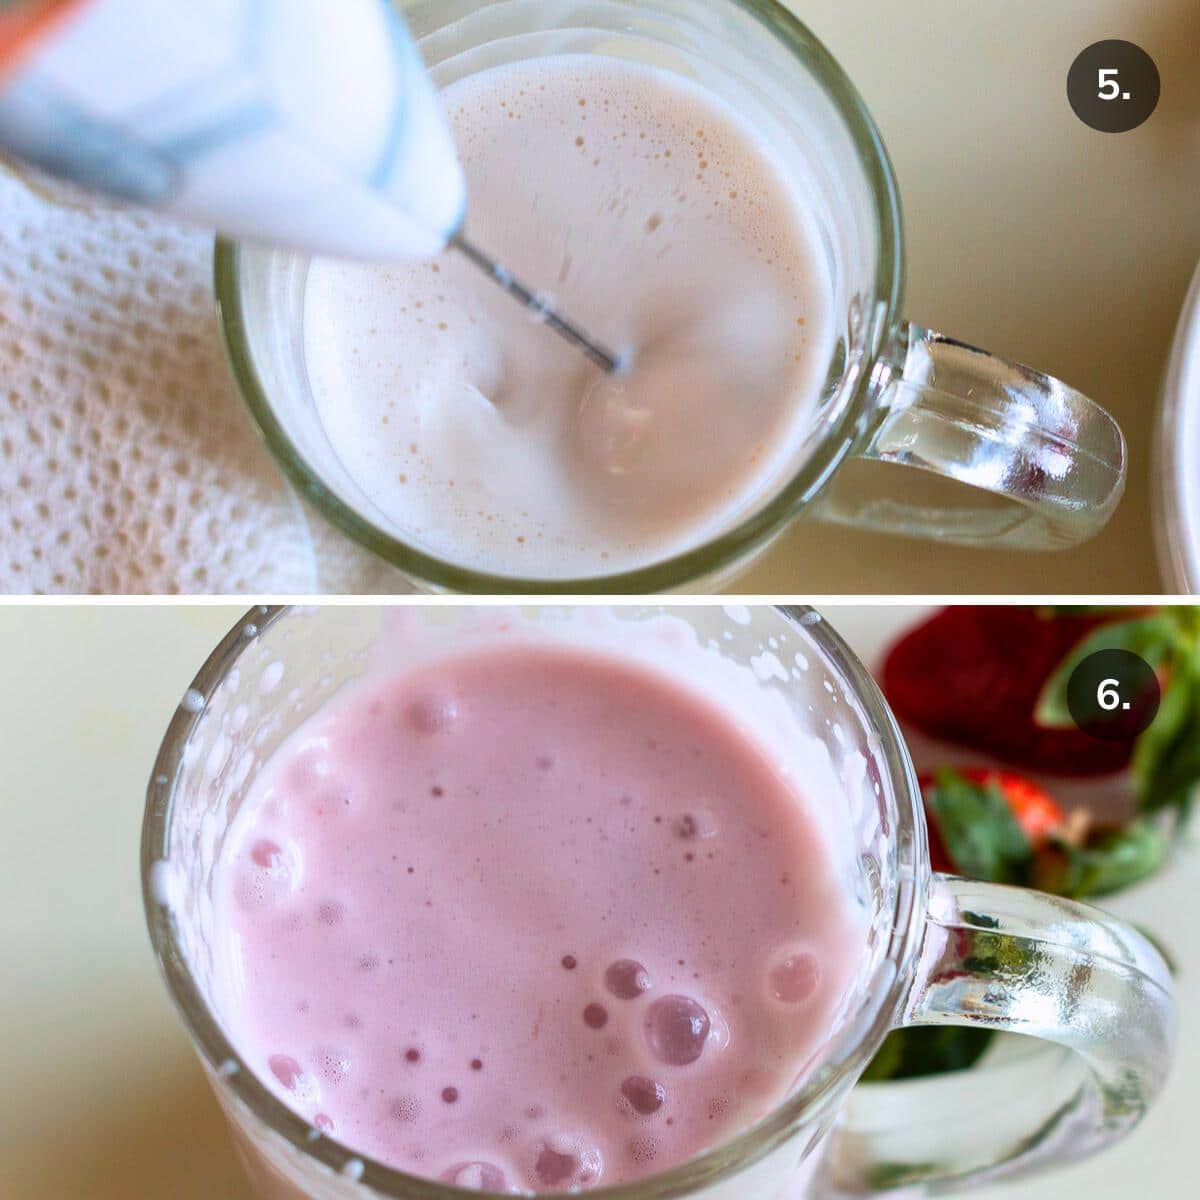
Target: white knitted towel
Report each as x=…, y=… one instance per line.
x=127, y=461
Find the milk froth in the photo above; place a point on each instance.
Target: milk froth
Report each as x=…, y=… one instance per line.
x=657, y=217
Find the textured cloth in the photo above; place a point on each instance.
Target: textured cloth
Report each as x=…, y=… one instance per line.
x=127, y=461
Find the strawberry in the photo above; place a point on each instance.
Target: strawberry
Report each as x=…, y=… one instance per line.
x=1037, y=814
x=973, y=675
x=999, y=826
x=987, y=823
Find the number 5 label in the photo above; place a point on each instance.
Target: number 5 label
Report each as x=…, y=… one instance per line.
x=1110, y=89
x=1114, y=71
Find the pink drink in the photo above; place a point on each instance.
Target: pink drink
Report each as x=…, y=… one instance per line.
x=530, y=918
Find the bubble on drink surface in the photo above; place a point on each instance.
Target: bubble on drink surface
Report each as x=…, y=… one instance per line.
x=286, y=1069
x=331, y=912
x=333, y=1064
x=698, y=825
x=404, y=1109
x=267, y=854
x=272, y=872
x=325, y=1124
x=565, y=1161
x=643, y=1149
x=292, y=1076
x=793, y=976
x=676, y=1029
x=627, y=979
x=432, y=713
x=271, y=677
x=645, y=1096
x=595, y=1016
x=477, y=1177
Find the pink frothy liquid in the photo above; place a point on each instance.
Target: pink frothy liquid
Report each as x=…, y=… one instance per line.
x=532, y=918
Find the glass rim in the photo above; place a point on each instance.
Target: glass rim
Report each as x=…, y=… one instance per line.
x=679, y=570
x=849, y=1052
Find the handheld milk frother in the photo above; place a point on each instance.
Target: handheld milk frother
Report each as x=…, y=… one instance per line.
x=299, y=123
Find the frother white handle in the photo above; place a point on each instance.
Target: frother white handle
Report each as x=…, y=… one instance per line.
x=295, y=122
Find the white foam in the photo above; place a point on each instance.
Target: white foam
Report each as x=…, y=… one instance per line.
x=164, y=883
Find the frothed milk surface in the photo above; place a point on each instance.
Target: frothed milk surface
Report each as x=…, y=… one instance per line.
x=657, y=217
x=531, y=917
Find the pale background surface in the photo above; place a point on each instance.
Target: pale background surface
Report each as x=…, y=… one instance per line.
x=1028, y=234
x=100, y=1094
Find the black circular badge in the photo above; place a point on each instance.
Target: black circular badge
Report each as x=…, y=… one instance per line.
x=1113, y=695
x=1114, y=86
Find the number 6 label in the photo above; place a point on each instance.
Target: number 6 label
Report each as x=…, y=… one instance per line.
x=1108, y=695
x=1113, y=695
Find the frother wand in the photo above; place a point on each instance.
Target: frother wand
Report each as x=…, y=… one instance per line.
x=539, y=306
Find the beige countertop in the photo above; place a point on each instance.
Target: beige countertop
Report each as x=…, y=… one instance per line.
x=101, y=1095
x=1028, y=234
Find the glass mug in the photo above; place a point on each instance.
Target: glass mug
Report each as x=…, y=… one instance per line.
x=938, y=951
x=1031, y=463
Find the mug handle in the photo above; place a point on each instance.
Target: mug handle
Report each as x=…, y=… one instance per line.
x=1016, y=961
x=1045, y=467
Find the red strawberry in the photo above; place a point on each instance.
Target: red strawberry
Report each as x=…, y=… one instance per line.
x=1037, y=814
x=972, y=675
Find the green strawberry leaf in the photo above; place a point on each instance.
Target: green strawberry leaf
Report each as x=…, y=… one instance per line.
x=1153, y=638
x=978, y=829
x=1109, y=863
x=1174, y=784
x=1171, y=734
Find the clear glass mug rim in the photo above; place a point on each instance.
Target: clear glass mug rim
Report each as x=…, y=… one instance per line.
x=849, y=1053
x=720, y=552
